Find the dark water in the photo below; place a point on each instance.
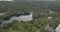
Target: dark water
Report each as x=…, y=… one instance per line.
x=14, y=15
x=8, y=18
x=0, y=22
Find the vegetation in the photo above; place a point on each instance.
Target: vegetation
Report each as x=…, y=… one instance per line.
x=41, y=13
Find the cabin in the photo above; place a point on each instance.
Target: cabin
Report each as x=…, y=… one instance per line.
x=18, y=17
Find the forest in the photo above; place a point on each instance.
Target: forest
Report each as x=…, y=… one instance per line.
x=40, y=20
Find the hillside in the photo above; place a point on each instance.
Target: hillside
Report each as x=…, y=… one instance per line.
x=40, y=20
x=31, y=5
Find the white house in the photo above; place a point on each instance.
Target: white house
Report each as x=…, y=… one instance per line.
x=24, y=17
x=58, y=28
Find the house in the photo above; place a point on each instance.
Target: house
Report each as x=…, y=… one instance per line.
x=18, y=17
x=58, y=28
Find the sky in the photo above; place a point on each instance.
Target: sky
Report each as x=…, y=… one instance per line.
x=6, y=0
x=43, y=0
x=32, y=0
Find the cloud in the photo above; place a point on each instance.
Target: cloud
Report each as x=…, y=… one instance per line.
x=43, y=0
x=6, y=0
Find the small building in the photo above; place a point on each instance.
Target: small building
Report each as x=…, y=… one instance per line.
x=57, y=28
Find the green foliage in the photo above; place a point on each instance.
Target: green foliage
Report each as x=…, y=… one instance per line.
x=37, y=24
x=40, y=21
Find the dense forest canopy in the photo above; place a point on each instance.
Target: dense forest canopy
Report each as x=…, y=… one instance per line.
x=29, y=5
x=41, y=11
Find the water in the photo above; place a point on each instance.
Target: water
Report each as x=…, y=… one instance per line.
x=20, y=17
